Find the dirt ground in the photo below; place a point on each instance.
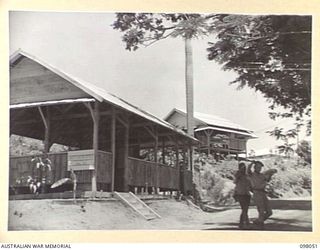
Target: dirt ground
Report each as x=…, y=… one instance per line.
x=289, y=215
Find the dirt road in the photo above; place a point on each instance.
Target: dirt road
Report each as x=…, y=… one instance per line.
x=289, y=215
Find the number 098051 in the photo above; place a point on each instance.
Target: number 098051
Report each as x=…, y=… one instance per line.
x=308, y=246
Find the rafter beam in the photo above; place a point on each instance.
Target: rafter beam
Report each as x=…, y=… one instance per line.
x=59, y=118
x=141, y=124
x=151, y=132
x=125, y=123
x=46, y=123
x=44, y=119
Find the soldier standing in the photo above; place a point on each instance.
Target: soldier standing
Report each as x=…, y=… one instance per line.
x=242, y=194
x=258, y=182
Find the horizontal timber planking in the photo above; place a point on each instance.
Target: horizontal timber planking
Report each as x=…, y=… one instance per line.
x=81, y=160
x=187, y=182
x=59, y=165
x=104, y=170
x=44, y=86
x=169, y=177
x=146, y=173
x=26, y=67
x=22, y=167
x=141, y=172
x=237, y=144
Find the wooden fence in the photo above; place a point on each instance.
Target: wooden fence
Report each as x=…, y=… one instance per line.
x=21, y=167
x=141, y=173
x=145, y=173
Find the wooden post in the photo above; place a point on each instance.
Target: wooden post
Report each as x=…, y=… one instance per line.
x=46, y=123
x=154, y=133
x=177, y=162
x=113, y=146
x=156, y=144
x=163, y=152
x=182, y=170
x=208, y=134
x=126, y=160
x=95, y=143
x=246, y=150
x=125, y=123
x=208, y=143
x=190, y=166
x=156, y=156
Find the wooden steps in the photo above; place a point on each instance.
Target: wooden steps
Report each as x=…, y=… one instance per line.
x=137, y=205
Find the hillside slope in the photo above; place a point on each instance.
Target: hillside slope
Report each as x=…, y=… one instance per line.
x=214, y=179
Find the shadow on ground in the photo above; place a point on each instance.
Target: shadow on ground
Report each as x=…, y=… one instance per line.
x=270, y=225
x=291, y=204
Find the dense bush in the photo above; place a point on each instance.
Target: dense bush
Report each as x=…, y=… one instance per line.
x=214, y=179
x=20, y=145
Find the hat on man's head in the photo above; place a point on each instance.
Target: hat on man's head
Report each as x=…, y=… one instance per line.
x=258, y=163
x=241, y=165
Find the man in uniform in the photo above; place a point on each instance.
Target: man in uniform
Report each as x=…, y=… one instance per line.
x=258, y=183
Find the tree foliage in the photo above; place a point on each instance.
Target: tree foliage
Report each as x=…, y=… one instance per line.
x=144, y=29
x=269, y=53
x=304, y=150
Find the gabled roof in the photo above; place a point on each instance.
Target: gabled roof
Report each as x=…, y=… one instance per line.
x=240, y=132
x=213, y=121
x=98, y=93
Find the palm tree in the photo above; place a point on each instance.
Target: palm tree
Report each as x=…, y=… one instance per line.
x=146, y=29
x=189, y=85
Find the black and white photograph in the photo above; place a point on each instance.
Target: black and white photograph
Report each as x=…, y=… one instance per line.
x=160, y=121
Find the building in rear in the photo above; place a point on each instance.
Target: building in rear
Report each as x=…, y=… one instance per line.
x=217, y=135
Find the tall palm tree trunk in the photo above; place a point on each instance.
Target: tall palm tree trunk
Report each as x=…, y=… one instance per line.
x=189, y=100
x=189, y=85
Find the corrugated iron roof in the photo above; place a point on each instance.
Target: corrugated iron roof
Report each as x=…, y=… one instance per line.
x=213, y=120
x=46, y=103
x=99, y=93
x=250, y=134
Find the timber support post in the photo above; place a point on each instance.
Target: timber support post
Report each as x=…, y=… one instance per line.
x=125, y=122
x=208, y=135
x=126, y=160
x=46, y=123
x=154, y=133
x=163, y=152
x=95, y=143
x=176, y=142
x=183, y=169
x=156, y=145
x=113, y=146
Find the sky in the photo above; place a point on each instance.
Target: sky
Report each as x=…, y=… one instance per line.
x=84, y=45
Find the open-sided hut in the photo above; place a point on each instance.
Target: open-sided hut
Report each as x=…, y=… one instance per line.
x=110, y=134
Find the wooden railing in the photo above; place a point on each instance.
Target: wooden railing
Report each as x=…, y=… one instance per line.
x=238, y=144
x=104, y=171
x=187, y=181
x=143, y=173
x=21, y=167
